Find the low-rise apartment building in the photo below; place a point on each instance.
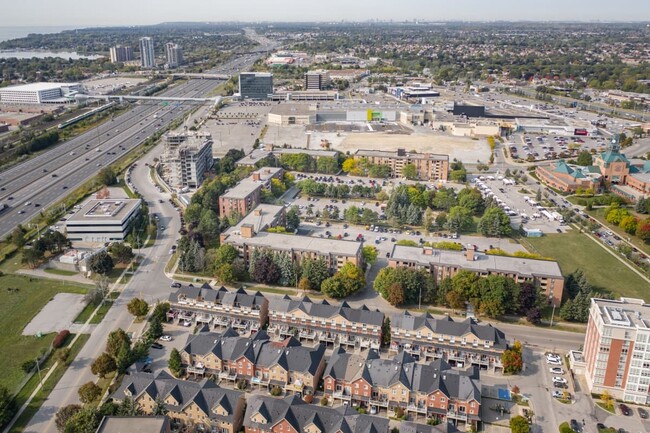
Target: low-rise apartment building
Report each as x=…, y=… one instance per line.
x=336, y=324
x=219, y=309
x=617, y=349
x=202, y=405
x=545, y=274
x=266, y=414
x=433, y=390
x=460, y=343
x=246, y=195
x=285, y=364
x=428, y=166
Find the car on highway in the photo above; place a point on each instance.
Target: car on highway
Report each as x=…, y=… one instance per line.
x=55, y=175
x=559, y=379
x=625, y=409
x=21, y=212
x=37, y=204
x=28, y=203
x=556, y=370
x=65, y=187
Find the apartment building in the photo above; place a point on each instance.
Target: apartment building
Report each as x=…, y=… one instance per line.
x=174, y=54
x=316, y=80
x=201, y=405
x=428, y=166
x=246, y=195
x=433, y=390
x=147, y=53
x=219, y=309
x=545, y=274
x=258, y=360
x=120, y=54
x=617, y=349
x=460, y=343
x=322, y=322
x=265, y=414
x=186, y=158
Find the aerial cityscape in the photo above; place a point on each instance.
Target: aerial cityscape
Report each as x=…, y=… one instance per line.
x=416, y=218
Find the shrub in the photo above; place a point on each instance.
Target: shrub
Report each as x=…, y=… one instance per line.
x=276, y=391
x=324, y=401
x=60, y=338
x=28, y=366
x=309, y=398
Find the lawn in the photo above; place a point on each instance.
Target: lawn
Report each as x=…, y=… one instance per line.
x=88, y=310
x=17, y=308
x=61, y=272
x=599, y=214
x=575, y=250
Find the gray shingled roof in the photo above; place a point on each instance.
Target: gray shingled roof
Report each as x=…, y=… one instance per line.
x=326, y=310
x=300, y=415
x=222, y=296
x=411, y=427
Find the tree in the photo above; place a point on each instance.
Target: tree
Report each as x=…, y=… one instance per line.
x=121, y=252
x=63, y=355
x=494, y=223
x=89, y=392
x=459, y=219
x=101, y=263
x=265, y=270
x=174, y=363
x=519, y=424
x=386, y=332
x=293, y=218
x=64, y=414
x=369, y=254
x=472, y=200
x=155, y=330
x=349, y=165
x=138, y=307
x=103, y=365
x=409, y=171
x=160, y=312
x=628, y=223
x=117, y=339
x=225, y=274
x=32, y=257
x=7, y=406
x=106, y=176
x=225, y=254
x=85, y=420
x=643, y=230
x=512, y=359
x=18, y=236
x=534, y=316
x=159, y=407
x=334, y=287
x=395, y=295
x=304, y=284
x=316, y=271
x=584, y=158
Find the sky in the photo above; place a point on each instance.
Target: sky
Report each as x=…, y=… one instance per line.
x=84, y=13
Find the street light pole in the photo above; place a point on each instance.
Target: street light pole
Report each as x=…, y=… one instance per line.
x=420, y=298
x=552, y=316
x=38, y=369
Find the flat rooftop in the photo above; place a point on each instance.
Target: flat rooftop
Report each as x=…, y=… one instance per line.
x=104, y=210
x=34, y=87
x=260, y=217
x=482, y=262
x=293, y=109
x=287, y=242
x=625, y=312
x=409, y=155
x=244, y=188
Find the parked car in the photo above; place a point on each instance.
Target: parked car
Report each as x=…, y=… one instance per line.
x=559, y=379
x=156, y=346
x=556, y=370
x=642, y=413
x=176, y=285
x=625, y=410
x=575, y=426
x=557, y=394
x=166, y=338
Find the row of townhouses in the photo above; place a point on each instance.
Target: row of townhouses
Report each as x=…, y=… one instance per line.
x=461, y=343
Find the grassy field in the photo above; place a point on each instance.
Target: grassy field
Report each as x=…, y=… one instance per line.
x=60, y=272
x=599, y=214
x=575, y=250
x=17, y=308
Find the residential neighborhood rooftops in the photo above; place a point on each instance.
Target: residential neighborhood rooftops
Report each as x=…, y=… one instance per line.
x=258, y=178
x=260, y=218
x=289, y=242
x=134, y=424
x=206, y=293
x=324, y=309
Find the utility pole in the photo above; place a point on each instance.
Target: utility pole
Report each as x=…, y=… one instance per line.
x=552, y=316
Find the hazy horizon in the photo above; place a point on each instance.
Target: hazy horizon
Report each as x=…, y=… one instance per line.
x=71, y=13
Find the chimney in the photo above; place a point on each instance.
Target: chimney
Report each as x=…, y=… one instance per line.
x=257, y=212
x=256, y=176
x=428, y=251
x=401, y=152
x=469, y=254
x=247, y=231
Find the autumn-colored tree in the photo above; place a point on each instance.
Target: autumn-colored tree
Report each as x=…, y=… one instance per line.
x=396, y=295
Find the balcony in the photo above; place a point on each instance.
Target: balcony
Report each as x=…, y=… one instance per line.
x=348, y=340
x=204, y=318
x=327, y=337
x=379, y=402
x=417, y=409
x=260, y=380
x=309, y=335
x=297, y=386
x=225, y=375
x=198, y=368
x=462, y=416
x=342, y=395
x=375, y=345
x=222, y=321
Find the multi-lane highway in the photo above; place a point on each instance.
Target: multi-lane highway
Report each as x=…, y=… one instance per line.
x=33, y=185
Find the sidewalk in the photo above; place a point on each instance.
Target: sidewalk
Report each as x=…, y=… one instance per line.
x=40, y=273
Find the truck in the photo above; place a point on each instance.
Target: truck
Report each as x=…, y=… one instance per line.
x=557, y=216
x=548, y=215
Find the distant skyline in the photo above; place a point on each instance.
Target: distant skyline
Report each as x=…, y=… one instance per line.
x=145, y=12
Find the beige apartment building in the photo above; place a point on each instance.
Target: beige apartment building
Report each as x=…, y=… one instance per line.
x=246, y=195
x=428, y=166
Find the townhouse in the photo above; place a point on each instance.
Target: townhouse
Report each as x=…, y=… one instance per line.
x=545, y=274
x=202, y=405
x=285, y=364
x=460, y=343
x=292, y=415
x=247, y=194
x=339, y=325
x=433, y=390
x=218, y=308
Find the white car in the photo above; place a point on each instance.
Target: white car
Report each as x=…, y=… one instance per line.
x=166, y=338
x=557, y=394
x=556, y=370
x=559, y=379
x=553, y=361
x=552, y=356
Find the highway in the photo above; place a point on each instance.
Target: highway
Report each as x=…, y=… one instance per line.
x=31, y=186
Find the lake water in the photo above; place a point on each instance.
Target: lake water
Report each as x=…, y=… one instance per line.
x=15, y=32
x=7, y=33
x=43, y=54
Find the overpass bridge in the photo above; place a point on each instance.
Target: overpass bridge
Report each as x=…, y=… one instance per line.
x=201, y=76
x=122, y=98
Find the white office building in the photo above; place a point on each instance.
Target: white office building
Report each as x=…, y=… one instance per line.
x=40, y=93
x=174, y=55
x=100, y=221
x=147, y=53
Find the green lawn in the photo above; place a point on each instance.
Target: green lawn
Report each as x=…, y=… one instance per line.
x=88, y=310
x=599, y=214
x=17, y=308
x=575, y=250
x=60, y=272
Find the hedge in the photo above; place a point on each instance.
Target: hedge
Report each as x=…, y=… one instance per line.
x=60, y=338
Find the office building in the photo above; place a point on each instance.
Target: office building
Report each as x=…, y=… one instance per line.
x=147, y=53
x=568, y=178
x=101, y=221
x=545, y=274
x=323, y=322
x=185, y=159
x=255, y=85
x=121, y=54
x=461, y=343
x=174, y=54
x=428, y=166
x=433, y=390
x=40, y=93
x=617, y=349
x=246, y=195
x=316, y=80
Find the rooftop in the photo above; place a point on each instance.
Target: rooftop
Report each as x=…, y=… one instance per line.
x=260, y=218
x=133, y=424
x=481, y=263
x=279, y=241
x=625, y=312
x=244, y=188
x=106, y=209
x=35, y=87
x=293, y=109
x=400, y=154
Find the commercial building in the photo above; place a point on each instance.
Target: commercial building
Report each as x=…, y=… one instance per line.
x=202, y=405
x=135, y=424
x=428, y=166
x=219, y=309
x=562, y=176
x=255, y=85
x=266, y=414
x=617, y=349
x=174, y=54
x=460, y=343
x=322, y=322
x=121, y=54
x=433, y=390
x=147, y=53
x=40, y=93
x=305, y=95
x=545, y=274
x=186, y=158
x=259, y=361
x=316, y=80
x=292, y=114
x=246, y=195
x=100, y=221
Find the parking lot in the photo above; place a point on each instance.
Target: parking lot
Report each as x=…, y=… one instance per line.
x=541, y=147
